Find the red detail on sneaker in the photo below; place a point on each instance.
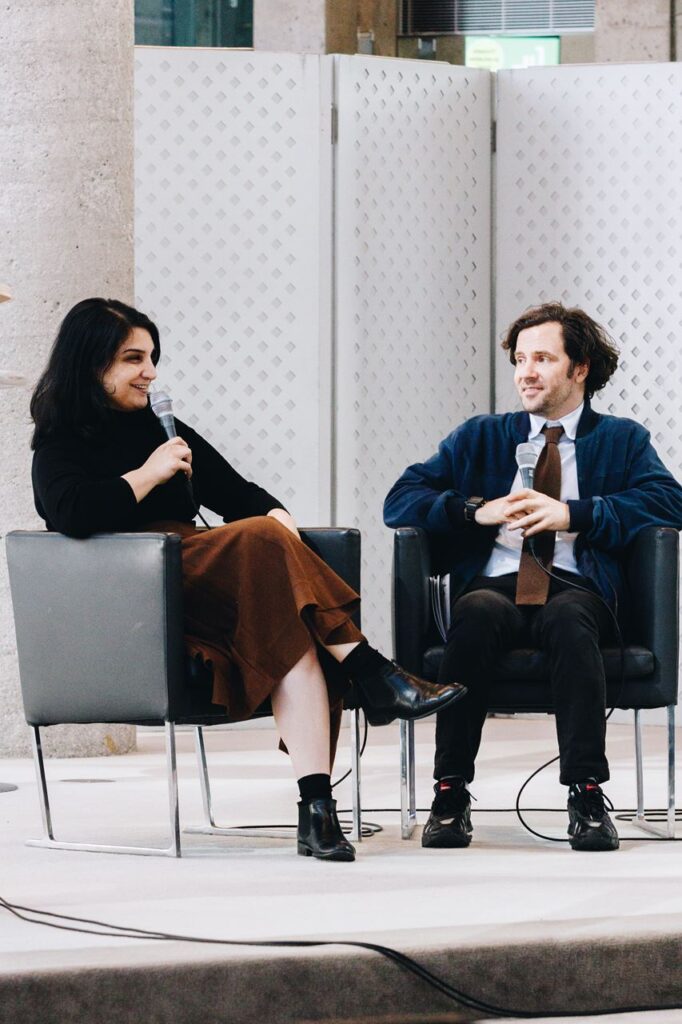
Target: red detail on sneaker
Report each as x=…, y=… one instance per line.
x=443, y=786
x=591, y=785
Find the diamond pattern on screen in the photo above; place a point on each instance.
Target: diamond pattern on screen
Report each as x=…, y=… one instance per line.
x=589, y=201
x=228, y=257
x=412, y=282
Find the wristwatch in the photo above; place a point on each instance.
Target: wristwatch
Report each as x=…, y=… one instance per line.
x=471, y=505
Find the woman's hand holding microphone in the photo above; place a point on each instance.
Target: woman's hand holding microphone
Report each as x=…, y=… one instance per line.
x=164, y=462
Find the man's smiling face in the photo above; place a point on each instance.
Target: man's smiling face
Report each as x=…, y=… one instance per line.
x=548, y=384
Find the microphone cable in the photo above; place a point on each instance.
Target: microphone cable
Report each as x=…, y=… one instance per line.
x=197, y=510
x=613, y=613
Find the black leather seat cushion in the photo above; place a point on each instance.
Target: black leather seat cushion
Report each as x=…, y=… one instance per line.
x=529, y=665
x=521, y=683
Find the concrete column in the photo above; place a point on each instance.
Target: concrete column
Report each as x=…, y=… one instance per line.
x=305, y=26
x=578, y=48
x=629, y=30
x=381, y=18
x=66, y=230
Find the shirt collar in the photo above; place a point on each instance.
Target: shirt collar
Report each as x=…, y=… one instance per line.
x=568, y=422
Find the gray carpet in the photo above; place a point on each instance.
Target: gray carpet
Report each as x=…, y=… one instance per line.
x=542, y=978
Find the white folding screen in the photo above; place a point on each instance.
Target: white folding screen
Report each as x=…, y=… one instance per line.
x=236, y=262
x=412, y=259
x=589, y=211
x=233, y=251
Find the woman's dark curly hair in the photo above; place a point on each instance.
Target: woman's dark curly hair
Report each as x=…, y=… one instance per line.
x=70, y=393
x=584, y=341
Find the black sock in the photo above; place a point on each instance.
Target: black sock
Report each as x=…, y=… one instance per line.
x=315, y=787
x=363, y=661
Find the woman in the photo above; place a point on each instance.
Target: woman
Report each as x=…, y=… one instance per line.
x=259, y=605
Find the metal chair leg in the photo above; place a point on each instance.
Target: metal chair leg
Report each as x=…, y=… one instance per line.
x=173, y=850
x=408, y=803
x=43, y=795
x=356, y=829
x=671, y=771
x=640, y=819
x=638, y=765
x=204, y=780
x=210, y=828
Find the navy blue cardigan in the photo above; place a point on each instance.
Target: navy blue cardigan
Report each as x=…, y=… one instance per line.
x=623, y=486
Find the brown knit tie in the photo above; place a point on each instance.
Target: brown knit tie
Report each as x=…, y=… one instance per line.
x=532, y=585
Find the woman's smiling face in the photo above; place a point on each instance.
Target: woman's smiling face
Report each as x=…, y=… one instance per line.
x=126, y=381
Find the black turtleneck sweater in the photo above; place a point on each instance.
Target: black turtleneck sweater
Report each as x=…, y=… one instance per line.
x=79, y=487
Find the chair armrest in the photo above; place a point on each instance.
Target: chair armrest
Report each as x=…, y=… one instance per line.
x=82, y=605
x=653, y=578
x=339, y=547
x=411, y=602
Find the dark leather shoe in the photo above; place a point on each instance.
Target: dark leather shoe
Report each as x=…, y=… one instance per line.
x=589, y=824
x=391, y=693
x=319, y=832
x=449, y=825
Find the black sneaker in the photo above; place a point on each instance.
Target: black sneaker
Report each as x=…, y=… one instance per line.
x=449, y=825
x=590, y=827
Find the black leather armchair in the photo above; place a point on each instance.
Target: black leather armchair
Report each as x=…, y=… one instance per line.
x=99, y=639
x=520, y=683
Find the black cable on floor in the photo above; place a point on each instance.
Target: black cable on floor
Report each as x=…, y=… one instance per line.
x=368, y=828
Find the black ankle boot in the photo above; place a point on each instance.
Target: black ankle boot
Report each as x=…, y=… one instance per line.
x=319, y=832
x=390, y=692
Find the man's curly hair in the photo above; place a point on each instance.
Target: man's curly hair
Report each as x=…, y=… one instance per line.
x=585, y=341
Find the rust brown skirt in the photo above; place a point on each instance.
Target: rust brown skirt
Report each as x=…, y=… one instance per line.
x=255, y=597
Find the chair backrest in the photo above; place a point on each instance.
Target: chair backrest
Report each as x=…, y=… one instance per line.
x=98, y=624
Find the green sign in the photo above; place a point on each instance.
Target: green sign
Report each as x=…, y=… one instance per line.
x=496, y=52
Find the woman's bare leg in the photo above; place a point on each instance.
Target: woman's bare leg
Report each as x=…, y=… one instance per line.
x=341, y=651
x=300, y=704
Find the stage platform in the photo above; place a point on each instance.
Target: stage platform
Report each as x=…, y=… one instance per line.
x=519, y=923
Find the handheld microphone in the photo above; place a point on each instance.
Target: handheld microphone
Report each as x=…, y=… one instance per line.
x=162, y=407
x=527, y=456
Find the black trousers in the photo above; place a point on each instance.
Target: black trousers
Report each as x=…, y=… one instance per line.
x=569, y=629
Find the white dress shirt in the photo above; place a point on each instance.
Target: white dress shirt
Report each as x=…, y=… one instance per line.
x=506, y=554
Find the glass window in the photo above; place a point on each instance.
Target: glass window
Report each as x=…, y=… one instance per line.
x=194, y=22
x=457, y=17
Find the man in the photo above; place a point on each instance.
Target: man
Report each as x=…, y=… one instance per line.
x=598, y=482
